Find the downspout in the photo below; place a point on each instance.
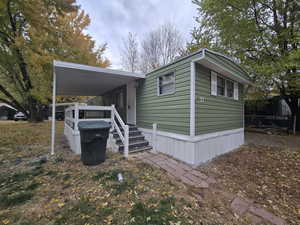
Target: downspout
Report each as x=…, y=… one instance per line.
x=193, y=95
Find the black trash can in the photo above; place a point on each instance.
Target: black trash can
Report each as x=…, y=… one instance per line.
x=93, y=136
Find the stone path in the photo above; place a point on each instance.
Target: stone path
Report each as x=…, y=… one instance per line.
x=193, y=177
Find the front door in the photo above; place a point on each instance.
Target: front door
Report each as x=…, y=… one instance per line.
x=131, y=103
x=117, y=97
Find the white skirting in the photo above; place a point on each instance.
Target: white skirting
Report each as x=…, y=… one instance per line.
x=195, y=150
x=73, y=138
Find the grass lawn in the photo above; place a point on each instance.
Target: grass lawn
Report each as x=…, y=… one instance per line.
x=63, y=191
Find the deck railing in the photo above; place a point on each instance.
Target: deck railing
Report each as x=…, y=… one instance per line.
x=72, y=119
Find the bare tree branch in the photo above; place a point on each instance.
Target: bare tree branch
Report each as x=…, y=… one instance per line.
x=130, y=53
x=160, y=47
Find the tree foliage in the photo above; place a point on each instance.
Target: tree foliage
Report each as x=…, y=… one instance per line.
x=264, y=35
x=33, y=33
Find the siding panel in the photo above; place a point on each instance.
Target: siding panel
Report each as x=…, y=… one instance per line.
x=170, y=112
x=216, y=113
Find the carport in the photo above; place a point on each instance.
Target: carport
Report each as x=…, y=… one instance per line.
x=83, y=80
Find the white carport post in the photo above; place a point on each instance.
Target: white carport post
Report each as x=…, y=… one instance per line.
x=53, y=112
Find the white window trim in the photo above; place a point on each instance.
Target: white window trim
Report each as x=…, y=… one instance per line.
x=236, y=91
x=235, y=87
x=158, y=86
x=213, y=83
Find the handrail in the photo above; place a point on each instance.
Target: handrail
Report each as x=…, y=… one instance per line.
x=114, y=114
x=124, y=138
x=118, y=117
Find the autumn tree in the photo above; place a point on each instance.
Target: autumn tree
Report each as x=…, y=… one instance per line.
x=130, y=53
x=32, y=34
x=264, y=35
x=160, y=47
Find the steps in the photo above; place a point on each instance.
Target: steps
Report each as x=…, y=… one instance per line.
x=137, y=142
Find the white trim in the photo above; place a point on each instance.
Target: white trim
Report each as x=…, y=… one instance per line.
x=195, y=138
x=216, y=134
x=192, y=99
x=235, y=91
x=193, y=95
x=93, y=107
x=154, y=137
x=213, y=83
x=131, y=90
x=167, y=134
x=53, y=113
x=96, y=69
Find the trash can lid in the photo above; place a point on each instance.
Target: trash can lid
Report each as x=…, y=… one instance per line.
x=91, y=125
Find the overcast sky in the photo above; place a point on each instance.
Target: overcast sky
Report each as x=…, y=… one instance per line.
x=111, y=20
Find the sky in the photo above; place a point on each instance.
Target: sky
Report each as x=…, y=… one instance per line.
x=111, y=20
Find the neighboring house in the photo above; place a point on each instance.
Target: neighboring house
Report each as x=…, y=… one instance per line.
x=191, y=109
x=7, y=112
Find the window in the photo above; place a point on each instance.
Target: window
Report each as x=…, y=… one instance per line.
x=223, y=87
x=220, y=86
x=166, y=84
x=229, y=88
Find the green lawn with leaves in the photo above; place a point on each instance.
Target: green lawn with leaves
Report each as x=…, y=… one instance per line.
x=63, y=191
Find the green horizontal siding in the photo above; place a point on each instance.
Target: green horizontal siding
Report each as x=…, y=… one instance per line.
x=216, y=113
x=227, y=64
x=170, y=112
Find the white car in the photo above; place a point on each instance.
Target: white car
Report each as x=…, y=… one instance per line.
x=20, y=116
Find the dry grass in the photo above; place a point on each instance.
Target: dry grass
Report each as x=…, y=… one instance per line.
x=270, y=176
x=63, y=191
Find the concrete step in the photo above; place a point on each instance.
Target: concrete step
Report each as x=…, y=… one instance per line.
x=133, y=145
x=131, y=133
x=132, y=138
x=131, y=128
x=139, y=149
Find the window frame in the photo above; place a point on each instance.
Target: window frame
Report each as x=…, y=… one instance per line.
x=226, y=87
x=218, y=75
x=159, y=86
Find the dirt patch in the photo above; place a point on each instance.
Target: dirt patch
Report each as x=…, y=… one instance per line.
x=271, y=140
x=270, y=176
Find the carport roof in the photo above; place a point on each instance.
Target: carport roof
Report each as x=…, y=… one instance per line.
x=83, y=80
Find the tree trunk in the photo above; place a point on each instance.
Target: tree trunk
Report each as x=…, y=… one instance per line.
x=35, y=111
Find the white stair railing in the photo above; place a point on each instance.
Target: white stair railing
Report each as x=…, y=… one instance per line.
x=124, y=138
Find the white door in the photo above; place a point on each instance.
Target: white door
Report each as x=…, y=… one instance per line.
x=131, y=103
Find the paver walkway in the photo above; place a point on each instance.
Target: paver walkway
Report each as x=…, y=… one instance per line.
x=193, y=177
